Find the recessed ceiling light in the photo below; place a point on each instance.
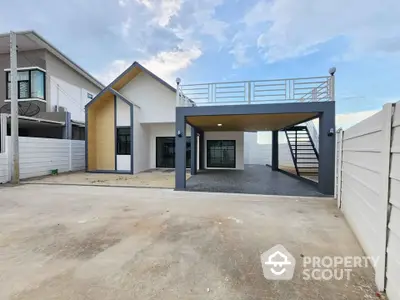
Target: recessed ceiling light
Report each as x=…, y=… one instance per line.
x=219, y=125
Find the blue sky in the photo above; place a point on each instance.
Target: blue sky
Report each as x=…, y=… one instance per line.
x=215, y=40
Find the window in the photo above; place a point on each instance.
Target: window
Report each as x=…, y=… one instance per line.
x=221, y=154
x=90, y=96
x=30, y=84
x=123, y=141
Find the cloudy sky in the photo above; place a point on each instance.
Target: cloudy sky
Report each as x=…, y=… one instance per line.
x=218, y=40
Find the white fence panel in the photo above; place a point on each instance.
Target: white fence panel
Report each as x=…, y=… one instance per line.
x=365, y=168
x=38, y=156
x=77, y=155
x=4, y=167
x=393, y=249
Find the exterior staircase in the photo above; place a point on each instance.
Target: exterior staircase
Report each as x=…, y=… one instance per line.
x=304, y=153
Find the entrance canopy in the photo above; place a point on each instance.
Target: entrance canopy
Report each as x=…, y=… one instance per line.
x=249, y=122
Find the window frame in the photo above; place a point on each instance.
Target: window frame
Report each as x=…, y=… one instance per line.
x=128, y=143
x=29, y=81
x=220, y=165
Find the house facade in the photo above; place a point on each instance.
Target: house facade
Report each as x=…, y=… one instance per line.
x=131, y=127
x=52, y=88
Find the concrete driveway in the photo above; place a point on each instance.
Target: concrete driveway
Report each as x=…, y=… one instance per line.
x=80, y=242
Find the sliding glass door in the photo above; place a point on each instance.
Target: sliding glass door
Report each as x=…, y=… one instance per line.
x=221, y=154
x=165, y=152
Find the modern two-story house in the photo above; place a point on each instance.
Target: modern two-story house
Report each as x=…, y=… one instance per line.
x=52, y=89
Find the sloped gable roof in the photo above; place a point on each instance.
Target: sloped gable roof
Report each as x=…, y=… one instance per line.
x=125, y=73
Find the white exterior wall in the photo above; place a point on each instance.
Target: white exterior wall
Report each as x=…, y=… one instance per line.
x=261, y=154
x=393, y=249
x=67, y=88
x=123, y=112
x=141, y=143
x=123, y=118
x=238, y=136
x=157, y=102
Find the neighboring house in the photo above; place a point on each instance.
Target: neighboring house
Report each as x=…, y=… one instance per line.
x=131, y=127
x=52, y=88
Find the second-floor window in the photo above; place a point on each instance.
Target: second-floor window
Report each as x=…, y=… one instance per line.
x=30, y=84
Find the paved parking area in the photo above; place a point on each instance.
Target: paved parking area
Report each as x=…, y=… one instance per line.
x=254, y=179
x=103, y=243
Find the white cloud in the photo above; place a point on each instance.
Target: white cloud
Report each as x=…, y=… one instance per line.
x=166, y=64
x=292, y=28
x=163, y=10
x=126, y=27
x=112, y=71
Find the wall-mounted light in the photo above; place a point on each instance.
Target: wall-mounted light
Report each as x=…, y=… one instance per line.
x=219, y=125
x=179, y=133
x=331, y=132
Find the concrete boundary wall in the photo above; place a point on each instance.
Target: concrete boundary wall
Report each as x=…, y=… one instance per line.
x=368, y=190
x=38, y=156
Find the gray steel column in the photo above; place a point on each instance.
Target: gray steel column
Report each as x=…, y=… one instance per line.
x=201, y=150
x=326, y=174
x=275, y=151
x=193, y=151
x=180, y=151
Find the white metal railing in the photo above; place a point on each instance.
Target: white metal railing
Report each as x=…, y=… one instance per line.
x=310, y=89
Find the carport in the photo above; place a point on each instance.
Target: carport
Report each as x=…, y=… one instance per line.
x=247, y=118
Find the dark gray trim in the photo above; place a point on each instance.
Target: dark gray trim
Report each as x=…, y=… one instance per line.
x=201, y=151
x=193, y=151
x=115, y=133
x=250, y=109
x=180, y=152
x=327, y=143
x=134, y=65
x=86, y=141
x=118, y=94
x=275, y=150
x=132, y=142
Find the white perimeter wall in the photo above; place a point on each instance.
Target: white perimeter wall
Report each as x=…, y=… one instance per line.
x=72, y=91
x=238, y=136
x=39, y=156
x=368, y=190
x=3, y=168
x=157, y=103
x=393, y=249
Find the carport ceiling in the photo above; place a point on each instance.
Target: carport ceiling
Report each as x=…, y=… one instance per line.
x=262, y=122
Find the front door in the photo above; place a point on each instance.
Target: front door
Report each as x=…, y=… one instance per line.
x=165, y=152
